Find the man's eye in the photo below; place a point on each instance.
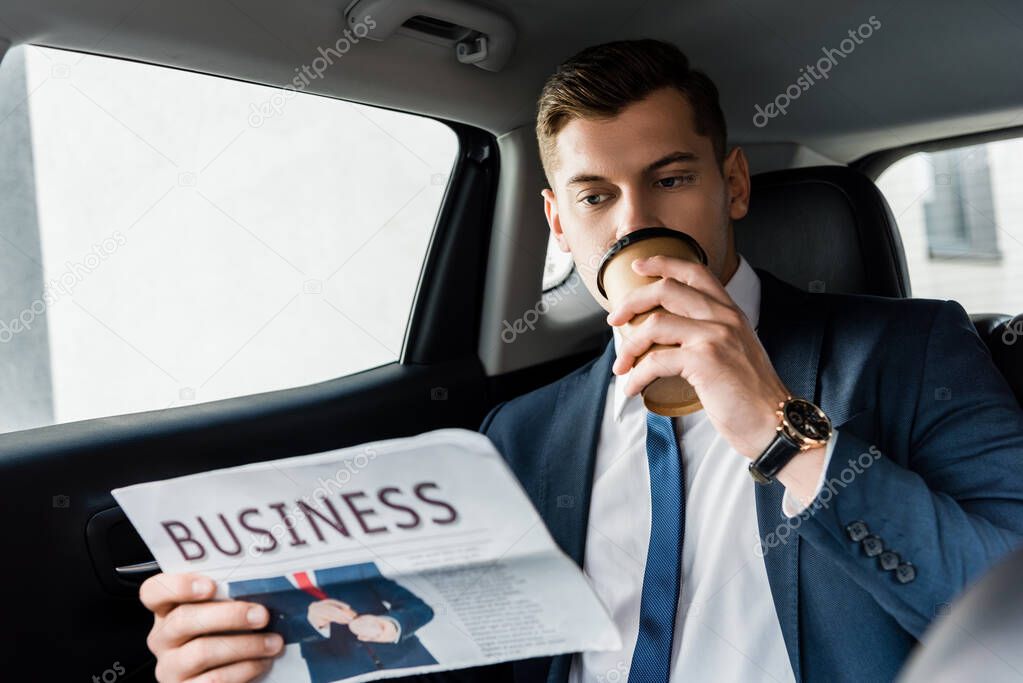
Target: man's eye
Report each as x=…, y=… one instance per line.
x=678, y=180
x=595, y=199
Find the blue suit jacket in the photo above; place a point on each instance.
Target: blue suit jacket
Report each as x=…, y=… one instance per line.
x=342, y=654
x=909, y=378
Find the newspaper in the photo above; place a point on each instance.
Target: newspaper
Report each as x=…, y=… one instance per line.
x=386, y=559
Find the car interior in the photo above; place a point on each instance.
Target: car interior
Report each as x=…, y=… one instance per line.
x=936, y=76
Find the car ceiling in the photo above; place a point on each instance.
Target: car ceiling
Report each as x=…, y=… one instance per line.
x=932, y=70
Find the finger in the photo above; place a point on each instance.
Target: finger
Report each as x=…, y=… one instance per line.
x=660, y=327
x=673, y=296
x=189, y=621
x=657, y=363
x=239, y=672
x=365, y=630
x=163, y=592
x=202, y=654
x=696, y=275
x=339, y=614
x=335, y=607
x=364, y=623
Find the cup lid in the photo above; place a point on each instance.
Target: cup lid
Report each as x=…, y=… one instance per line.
x=643, y=234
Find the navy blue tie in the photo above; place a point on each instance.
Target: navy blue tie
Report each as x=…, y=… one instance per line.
x=651, y=660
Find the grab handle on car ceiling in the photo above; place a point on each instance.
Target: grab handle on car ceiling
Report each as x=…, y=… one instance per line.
x=479, y=35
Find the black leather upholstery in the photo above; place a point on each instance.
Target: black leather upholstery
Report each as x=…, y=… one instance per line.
x=824, y=228
x=1004, y=338
x=828, y=228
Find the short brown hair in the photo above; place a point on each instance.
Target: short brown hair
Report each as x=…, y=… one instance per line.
x=601, y=80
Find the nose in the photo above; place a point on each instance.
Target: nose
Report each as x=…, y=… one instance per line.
x=636, y=212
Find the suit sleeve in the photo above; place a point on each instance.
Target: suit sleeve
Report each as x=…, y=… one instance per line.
x=405, y=607
x=489, y=419
x=954, y=509
x=287, y=614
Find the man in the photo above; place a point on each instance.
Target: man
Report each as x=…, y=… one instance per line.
x=348, y=620
x=832, y=568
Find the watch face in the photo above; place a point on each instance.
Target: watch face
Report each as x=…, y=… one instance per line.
x=807, y=420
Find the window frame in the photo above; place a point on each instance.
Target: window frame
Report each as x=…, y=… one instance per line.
x=876, y=163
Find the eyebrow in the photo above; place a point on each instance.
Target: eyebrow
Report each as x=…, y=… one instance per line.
x=674, y=157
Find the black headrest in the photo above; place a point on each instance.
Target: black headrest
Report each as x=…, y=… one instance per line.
x=1004, y=338
x=824, y=228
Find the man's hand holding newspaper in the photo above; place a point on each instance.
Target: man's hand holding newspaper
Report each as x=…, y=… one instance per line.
x=381, y=560
x=195, y=639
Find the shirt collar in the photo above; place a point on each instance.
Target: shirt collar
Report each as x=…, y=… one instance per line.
x=743, y=287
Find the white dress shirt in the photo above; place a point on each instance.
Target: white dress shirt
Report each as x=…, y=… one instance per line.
x=726, y=627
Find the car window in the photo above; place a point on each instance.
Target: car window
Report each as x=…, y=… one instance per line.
x=960, y=214
x=170, y=237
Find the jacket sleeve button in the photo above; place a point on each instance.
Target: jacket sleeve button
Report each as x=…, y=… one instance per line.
x=905, y=572
x=857, y=531
x=872, y=546
x=889, y=560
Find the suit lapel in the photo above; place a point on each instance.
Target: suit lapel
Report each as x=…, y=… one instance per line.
x=566, y=479
x=791, y=333
x=570, y=453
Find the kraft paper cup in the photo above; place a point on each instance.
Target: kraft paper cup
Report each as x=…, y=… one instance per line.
x=668, y=396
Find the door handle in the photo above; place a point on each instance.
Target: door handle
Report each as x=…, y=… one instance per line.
x=133, y=570
x=121, y=560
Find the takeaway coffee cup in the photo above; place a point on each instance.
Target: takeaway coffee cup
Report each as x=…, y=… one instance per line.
x=669, y=396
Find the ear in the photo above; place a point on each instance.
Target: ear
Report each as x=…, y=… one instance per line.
x=736, y=173
x=550, y=209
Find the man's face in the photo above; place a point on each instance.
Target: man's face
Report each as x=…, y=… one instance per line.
x=646, y=167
